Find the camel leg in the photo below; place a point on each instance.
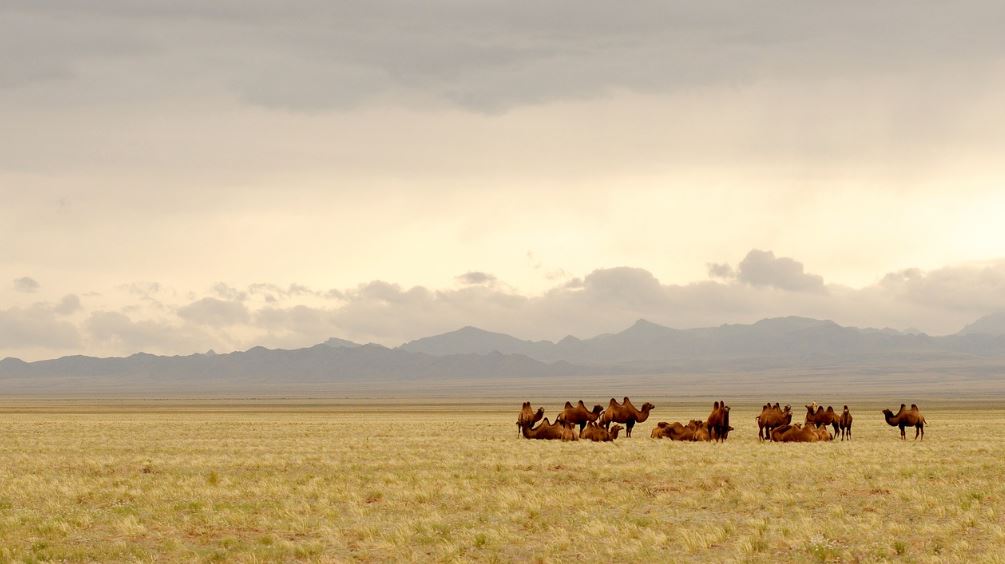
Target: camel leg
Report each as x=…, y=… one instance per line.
x=581, y=426
x=903, y=434
x=628, y=427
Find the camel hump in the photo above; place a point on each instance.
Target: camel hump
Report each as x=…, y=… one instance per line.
x=914, y=407
x=568, y=405
x=715, y=405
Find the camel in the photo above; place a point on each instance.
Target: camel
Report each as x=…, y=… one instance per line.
x=596, y=433
x=844, y=422
x=907, y=418
x=772, y=416
x=551, y=431
x=625, y=413
x=701, y=432
x=821, y=418
x=823, y=434
x=718, y=421
x=528, y=417
x=797, y=433
x=675, y=431
x=579, y=415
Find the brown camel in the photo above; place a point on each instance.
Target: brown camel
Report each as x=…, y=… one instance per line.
x=579, y=415
x=907, y=418
x=625, y=413
x=528, y=417
x=844, y=422
x=797, y=433
x=551, y=431
x=596, y=433
x=718, y=421
x=701, y=432
x=772, y=416
x=675, y=431
x=822, y=417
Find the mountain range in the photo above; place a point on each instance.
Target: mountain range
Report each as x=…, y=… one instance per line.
x=472, y=356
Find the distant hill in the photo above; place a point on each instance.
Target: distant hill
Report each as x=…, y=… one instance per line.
x=474, y=357
x=993, y=324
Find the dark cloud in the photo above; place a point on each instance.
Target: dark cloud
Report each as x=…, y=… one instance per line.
x=487, y=56
x=26, y=284
x=476, y=278
x=762, y=268
x=215, y=312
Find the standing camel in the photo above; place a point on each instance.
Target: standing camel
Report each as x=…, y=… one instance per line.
x=579, y=415
x=528, y=417
x=907, y=418
x=845, y=423
x=718, y=421
x=625, y=413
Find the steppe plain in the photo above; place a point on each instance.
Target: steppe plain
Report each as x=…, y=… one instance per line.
x=335, y=480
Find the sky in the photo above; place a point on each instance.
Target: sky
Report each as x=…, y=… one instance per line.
x=186, y=175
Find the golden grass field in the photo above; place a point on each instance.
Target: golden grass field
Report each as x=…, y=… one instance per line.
x=328, y=482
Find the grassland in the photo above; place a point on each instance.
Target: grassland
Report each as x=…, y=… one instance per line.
x=254, y=482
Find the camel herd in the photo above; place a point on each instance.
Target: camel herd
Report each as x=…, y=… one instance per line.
x=773, y=424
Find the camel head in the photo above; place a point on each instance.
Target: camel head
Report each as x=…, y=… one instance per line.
x=597, y=409
x=787, y=409
x=647, y=407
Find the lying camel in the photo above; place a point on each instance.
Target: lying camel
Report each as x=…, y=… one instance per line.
x=797, y=433
x=596, y=433
x=528, y=417
x=772, y=416
x=551, y=431
x=907, y=418
x=702, y=432
x=844, y=422
x=625, y=413
x=579, y=415
x=822, y=417
x=718, y=421
x=675, y=431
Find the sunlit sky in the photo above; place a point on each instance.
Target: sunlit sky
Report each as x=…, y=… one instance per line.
x=179, y=176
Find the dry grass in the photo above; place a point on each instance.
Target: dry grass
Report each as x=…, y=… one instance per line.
x=451, y=485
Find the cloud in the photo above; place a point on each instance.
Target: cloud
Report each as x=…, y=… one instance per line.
x=68, y=305
x=26, y=284
x=35, y=328
x=116, y=331
x=762, y=268
x=937, y=301
x=215, y=312
x=489, y=56
x=476, y=278
x=720, y=270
